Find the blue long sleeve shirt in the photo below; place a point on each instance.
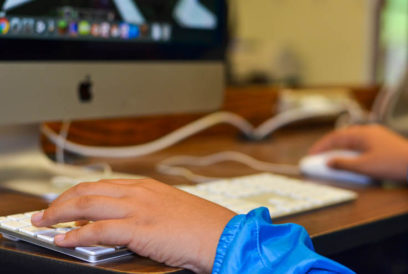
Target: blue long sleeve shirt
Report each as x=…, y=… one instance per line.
x=252, y=244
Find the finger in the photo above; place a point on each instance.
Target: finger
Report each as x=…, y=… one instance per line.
x=81, y=222
x=113, y=188
x=90, y=208
x=324, y=143
x=342, y=139
x=129, y=181
x=123, y=181
x=101, y=188
x=109, y=232
x=348, y=164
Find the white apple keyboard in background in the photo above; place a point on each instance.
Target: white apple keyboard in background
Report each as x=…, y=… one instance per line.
x=18, y=227
x=282, y=195
x=315, y=166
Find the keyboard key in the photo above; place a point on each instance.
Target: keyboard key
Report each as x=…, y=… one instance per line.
x=65, y=225
x=26, y=221
x=34, y=231
x=31, y=213
x=2, y=219
x=16, y=217
x=48, y=236
x=95, y=250
x=13, y=225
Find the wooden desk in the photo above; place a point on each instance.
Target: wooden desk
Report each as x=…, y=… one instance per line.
x=378, y=212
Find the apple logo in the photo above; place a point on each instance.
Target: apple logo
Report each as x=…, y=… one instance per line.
x=85, y=90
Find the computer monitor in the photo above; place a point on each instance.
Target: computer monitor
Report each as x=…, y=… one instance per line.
x=76, y=59
x=84, y=59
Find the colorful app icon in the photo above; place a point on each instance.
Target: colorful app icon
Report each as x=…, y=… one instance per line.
x=40, y=27
x=105, y=30
x=73, y=28
x=15, y=25
x=156, y=32
x=166, y=32
x=134, y=32
x=28, y=26
x=62, y=27
x=144, y=30
x=115, y=31
x=51, y=27
x=95, y=30
x=4, y=26
x=84, y=28
x=124, y=30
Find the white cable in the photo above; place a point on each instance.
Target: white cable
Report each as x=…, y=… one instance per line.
x=290, y=116
x=104, y=167
x=159, y=144
x=171, y=165
x=265, y=129
x=60, y=145
x=357, y=114
x=354, y=114
x=178, y=135
x=186, y=173
x=168, y=166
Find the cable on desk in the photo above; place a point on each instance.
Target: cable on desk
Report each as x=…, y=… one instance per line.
x=60, y=145
x=260, y=133
x=154, y=146
x=285, y=118
x=354, y=115
x=171, y=166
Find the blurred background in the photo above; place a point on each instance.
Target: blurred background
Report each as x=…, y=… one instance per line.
x=297, y=43
x=301, y=55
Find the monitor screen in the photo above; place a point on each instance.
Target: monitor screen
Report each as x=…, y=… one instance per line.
x=112, y=29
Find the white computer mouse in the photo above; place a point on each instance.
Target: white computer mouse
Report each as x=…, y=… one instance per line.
x=316, y=166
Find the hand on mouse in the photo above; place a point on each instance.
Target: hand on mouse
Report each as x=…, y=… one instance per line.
x=384, y=154
x=150, y=218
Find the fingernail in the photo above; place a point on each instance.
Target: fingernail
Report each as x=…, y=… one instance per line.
x=331, y=163
x=37, y=217
x=59, y=238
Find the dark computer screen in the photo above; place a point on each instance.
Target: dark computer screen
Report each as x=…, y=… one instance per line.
x=112, y=29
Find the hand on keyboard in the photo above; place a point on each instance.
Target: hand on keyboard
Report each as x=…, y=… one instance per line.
x=161, y=222
x=148, y=217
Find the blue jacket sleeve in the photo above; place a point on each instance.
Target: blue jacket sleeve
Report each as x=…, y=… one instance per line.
x=252, y=244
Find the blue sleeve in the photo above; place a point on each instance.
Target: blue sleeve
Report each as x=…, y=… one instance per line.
x=252, y=244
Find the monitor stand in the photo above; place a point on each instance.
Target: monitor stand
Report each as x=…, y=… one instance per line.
x=25, y=168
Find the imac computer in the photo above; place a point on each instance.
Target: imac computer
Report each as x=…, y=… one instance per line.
x=75, y=59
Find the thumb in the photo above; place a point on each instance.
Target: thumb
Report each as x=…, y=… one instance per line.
x=348, y=164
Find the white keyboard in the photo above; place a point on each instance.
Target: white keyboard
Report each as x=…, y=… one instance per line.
x=282, y=195
x=18, y=227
